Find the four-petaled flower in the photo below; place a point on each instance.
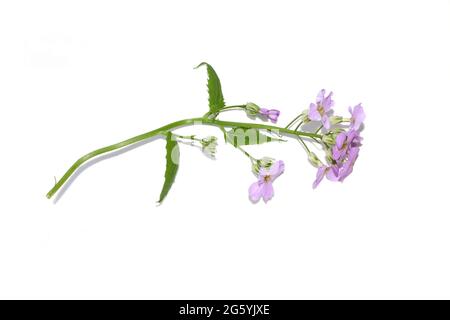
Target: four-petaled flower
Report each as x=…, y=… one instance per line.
x=319, y=111
x=271, y=114
x=263, y=187
x=358, y=116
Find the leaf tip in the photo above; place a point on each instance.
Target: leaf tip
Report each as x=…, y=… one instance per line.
x=201, y=64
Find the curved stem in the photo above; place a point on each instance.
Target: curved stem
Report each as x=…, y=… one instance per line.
x=168, y=127
x=304, y=144
x=298, y=125
x=227, y=108
x=293, y=121
x=246, y=153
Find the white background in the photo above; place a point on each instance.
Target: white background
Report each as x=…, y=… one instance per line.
x=79, y=75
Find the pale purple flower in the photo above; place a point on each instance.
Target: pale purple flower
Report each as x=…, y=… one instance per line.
x=263, y=187
x=344, y=142
x=358, y=116
x=331, y=172
x=319, y=111
x=271, y=114
x=344, y=154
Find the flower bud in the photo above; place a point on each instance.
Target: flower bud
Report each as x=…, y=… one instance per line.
x=304, y=116
x=329, y=138
x=338, y=130
x=264, y=163
x=252, y=109
x=335, y=119
x=209, y=146
x=315, y=161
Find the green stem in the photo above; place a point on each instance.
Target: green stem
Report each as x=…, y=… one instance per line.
x=320, y=128
x=192, y=137
x=246, y=153
x=168, y=127
x=293, y=121
x=298, y=126
x=228, y=108
x=304, y=144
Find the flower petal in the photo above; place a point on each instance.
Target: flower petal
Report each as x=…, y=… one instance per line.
x=340, y=139
x=273, y=115
x=358, y=117
x=320, y=96
x=255, y=191
x=314, y=113
x=328, y=103
x=333, y=173
x=267, y=191
x=264, y=111
x=319, y=176
x=276, y=169
x=326, y=122
x=347, y=168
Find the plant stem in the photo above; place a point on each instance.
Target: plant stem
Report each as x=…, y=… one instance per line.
x=228, y=108
x=246, y=153
x=304, y=144
x=192, y=137
x=293, y=121
x=168, y=127
x=320, y=128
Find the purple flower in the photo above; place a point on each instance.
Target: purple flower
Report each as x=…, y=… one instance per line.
x=319, y=110
x=358, y=116
x=271, y=114
x=263, y=187
x=331, y=172
x=344, y=142
x=343, y=157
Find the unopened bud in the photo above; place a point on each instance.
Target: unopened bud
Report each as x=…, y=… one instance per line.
x=338, y=130
x=315, y=161
x=209, y=146
x=252, y=109
x=264, y=163
x=335, y=119
x=304, y=116
x=329, y=138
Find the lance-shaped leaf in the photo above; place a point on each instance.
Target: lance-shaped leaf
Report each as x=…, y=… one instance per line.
x=216, y=101
x=172, y=163
x=248, y=136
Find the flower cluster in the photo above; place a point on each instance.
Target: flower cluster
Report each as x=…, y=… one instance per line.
x=341, y=142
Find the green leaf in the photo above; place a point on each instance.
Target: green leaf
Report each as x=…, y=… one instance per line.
x=172, y=163
x=248, y=136
x=216, y=101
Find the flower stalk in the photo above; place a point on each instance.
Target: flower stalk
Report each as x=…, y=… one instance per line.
x=169, y=127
